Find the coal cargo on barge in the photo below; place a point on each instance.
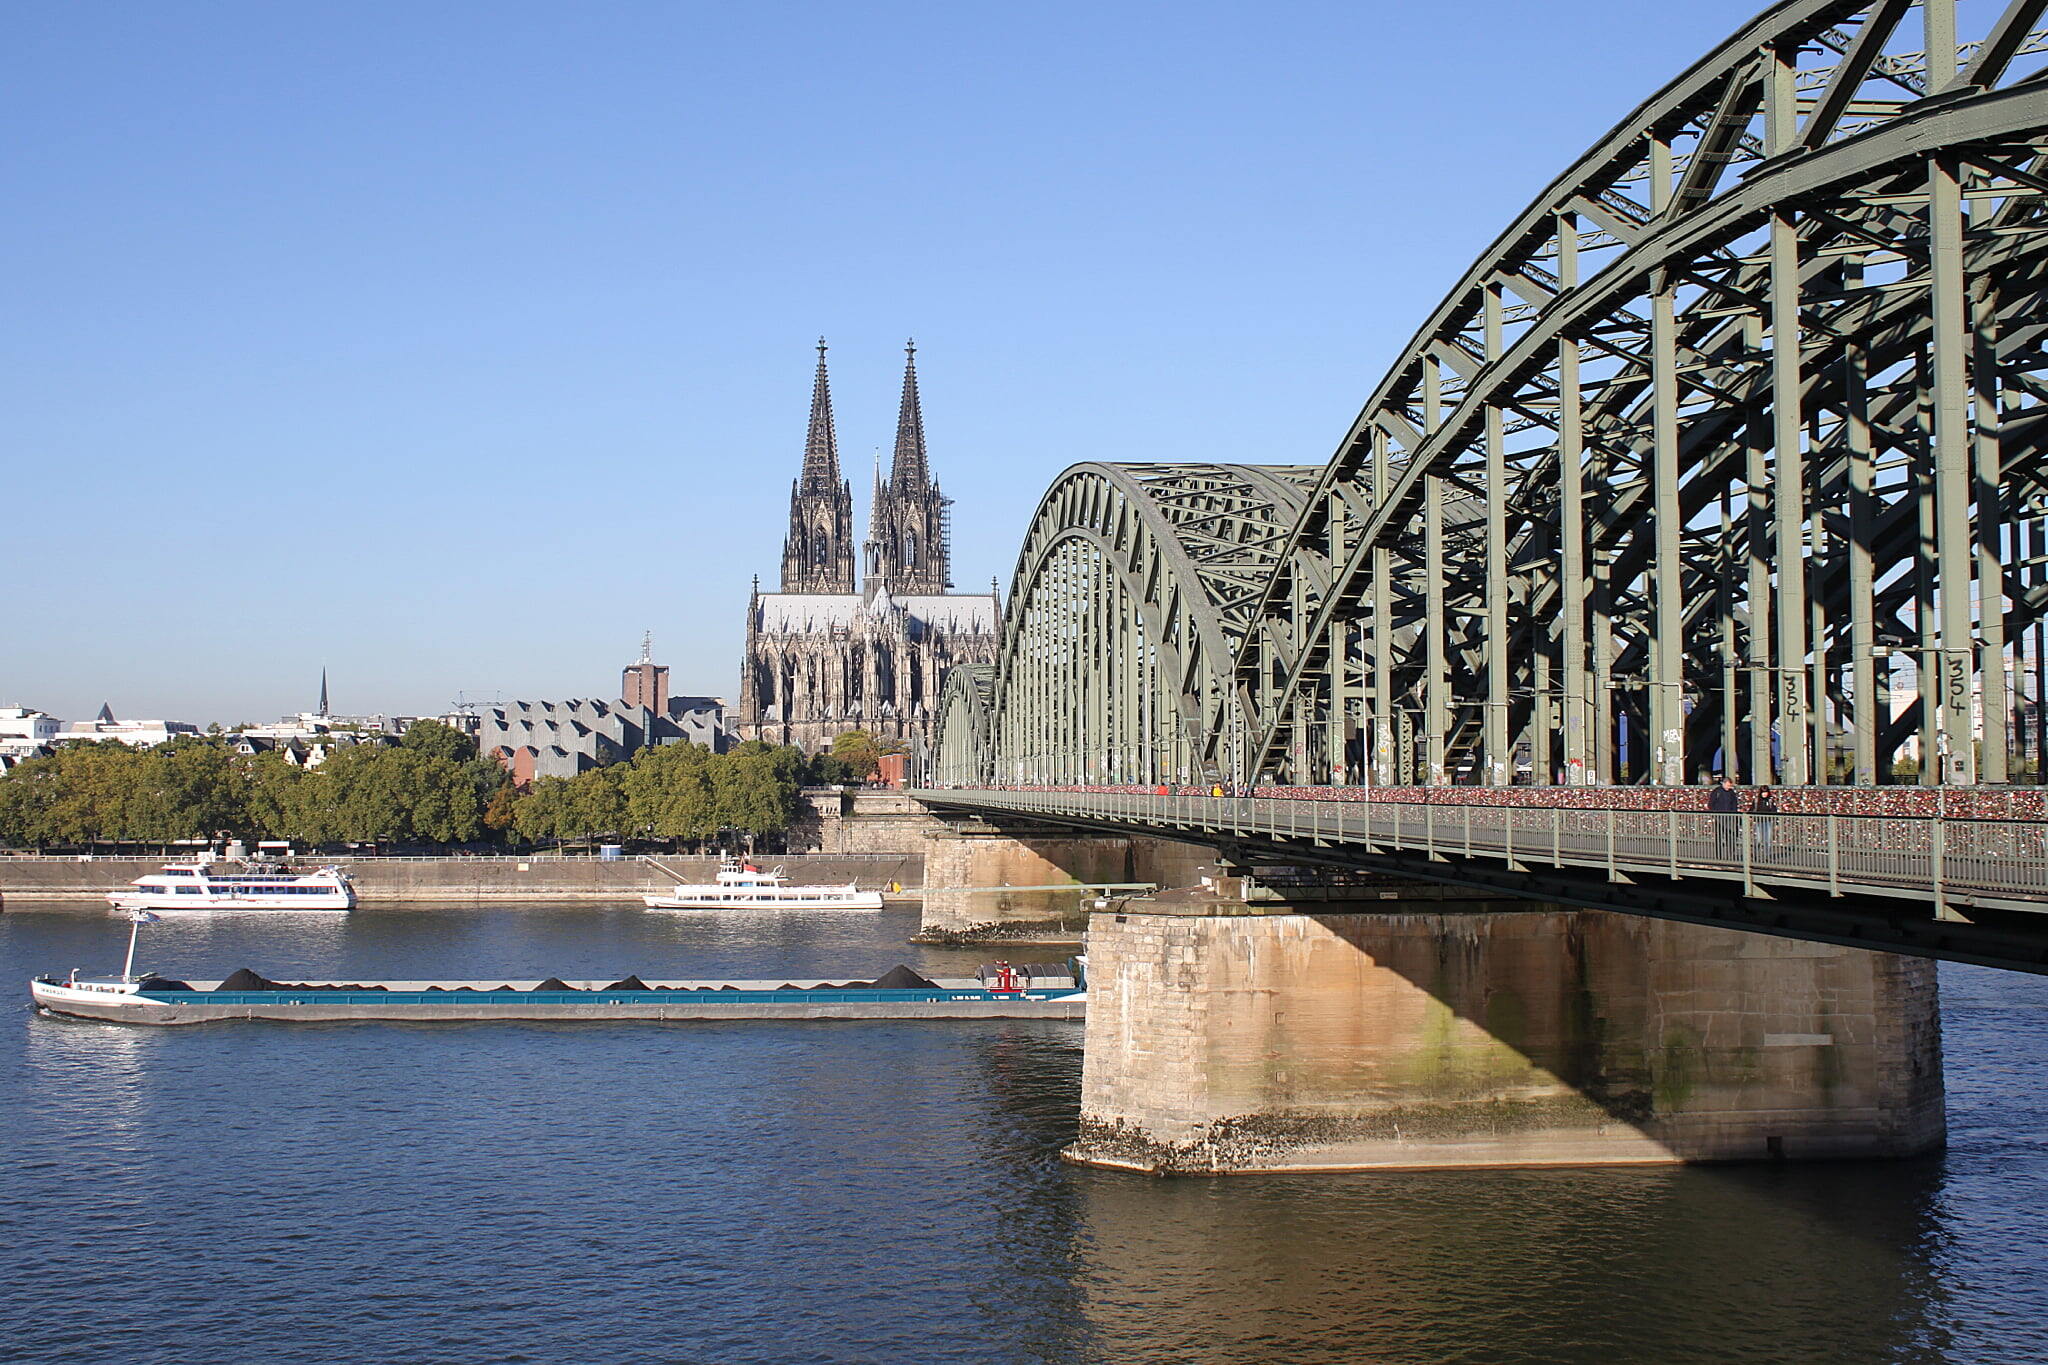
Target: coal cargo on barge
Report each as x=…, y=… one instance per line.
x=1017, y=993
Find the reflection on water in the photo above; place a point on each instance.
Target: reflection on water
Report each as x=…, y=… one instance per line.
x=1626, y=1264
x=96, y=1072
x=780, y=1192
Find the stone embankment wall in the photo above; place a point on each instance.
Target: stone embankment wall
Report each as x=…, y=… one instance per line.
x=1223, y=1039
x=863, y=821
x=473, y=881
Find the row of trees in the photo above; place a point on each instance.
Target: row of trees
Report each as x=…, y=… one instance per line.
x=431, y=788
x=682, y=793
x=677, y=791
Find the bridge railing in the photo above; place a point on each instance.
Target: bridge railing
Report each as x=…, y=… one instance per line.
x=1986, y=862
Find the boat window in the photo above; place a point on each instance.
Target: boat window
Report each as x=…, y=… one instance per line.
x=188, y=890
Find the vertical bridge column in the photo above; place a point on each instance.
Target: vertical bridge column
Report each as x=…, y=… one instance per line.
x=1231, y=1038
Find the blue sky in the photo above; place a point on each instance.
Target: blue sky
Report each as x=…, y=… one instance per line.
x=450, y=346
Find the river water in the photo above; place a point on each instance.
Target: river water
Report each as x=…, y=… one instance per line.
x=884, y=1192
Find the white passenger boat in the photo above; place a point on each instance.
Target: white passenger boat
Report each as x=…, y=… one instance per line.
x=198, y=885
x=743, y=886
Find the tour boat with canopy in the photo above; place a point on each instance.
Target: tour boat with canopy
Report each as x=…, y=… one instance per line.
x=200, y=885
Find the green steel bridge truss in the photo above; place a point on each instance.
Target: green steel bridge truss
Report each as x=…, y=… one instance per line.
x=1730, y=449
x=1136, y=589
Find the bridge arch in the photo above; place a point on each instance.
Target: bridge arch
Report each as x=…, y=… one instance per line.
x=1129, y=605
x=965, y=756
x=1729, y=451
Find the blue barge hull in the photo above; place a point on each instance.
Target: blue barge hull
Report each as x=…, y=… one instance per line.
x=681, y=1003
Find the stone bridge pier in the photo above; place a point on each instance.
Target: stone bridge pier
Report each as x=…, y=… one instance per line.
x=1233, y=1036
x=1018, y=878
x=988, y=878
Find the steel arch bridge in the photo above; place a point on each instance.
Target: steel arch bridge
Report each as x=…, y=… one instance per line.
x=1728, y=450
x=1134, y=594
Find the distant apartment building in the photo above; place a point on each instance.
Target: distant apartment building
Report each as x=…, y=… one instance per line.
x=321, y=726
x=645, y=682
x=302, y=727
x=563, y=738
x=26, y=732
x=297, y=751
x=143, y=734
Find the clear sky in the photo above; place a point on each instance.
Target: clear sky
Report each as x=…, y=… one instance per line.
x=450, y=346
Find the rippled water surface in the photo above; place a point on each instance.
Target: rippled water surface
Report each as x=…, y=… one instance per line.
x=792, y=1192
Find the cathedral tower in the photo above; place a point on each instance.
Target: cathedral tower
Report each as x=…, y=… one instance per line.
x=907, y=547
x=817, y=556
x=822, y=658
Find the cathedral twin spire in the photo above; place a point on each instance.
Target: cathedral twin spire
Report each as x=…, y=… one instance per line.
x=821, y=443
x=907, y=471
x=907, y=546
x=817, y=555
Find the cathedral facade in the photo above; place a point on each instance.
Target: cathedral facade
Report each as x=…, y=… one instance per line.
x=827, y=654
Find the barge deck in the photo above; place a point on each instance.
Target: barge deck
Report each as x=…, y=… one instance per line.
x=472, y=1001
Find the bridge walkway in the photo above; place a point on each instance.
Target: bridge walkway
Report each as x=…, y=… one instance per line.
x=1939, y=868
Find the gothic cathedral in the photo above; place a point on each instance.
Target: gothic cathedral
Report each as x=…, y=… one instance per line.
x=824, y=656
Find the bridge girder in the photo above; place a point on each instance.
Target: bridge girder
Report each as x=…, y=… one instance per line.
x=1577, y=496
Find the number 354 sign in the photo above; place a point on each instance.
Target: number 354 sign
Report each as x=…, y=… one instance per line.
x=1955, y=679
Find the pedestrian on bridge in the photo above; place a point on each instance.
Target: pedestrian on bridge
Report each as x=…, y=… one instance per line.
x=1761, y=810
x=1727, y=809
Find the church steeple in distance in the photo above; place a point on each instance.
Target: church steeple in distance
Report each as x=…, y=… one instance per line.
x=817, y=555
x=907, y=545
x=821, y=442
x=907, y=472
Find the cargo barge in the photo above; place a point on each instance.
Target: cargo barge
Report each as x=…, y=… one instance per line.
x=899, y=994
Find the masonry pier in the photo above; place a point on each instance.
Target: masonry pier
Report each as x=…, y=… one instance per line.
x=1018, y=880
x=1226, y=1036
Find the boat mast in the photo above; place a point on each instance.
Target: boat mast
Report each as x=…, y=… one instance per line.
x=138, y=919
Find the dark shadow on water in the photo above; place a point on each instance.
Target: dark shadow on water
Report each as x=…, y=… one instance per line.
x=1822, y=1264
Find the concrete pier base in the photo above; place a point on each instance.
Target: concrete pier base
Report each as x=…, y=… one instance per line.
x=1229, y=1038
x=988, y=881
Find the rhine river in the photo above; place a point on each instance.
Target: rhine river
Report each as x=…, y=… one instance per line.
x=886, y=1192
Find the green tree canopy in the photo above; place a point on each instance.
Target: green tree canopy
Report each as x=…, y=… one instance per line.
x=826, y=771
x=547, y=811
x=424, y=792
x=668, y=792
x=432, y=738
x=502, y=808
x=368, y=793
x=858, y=751
x=601, y=800
x=756, y=792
